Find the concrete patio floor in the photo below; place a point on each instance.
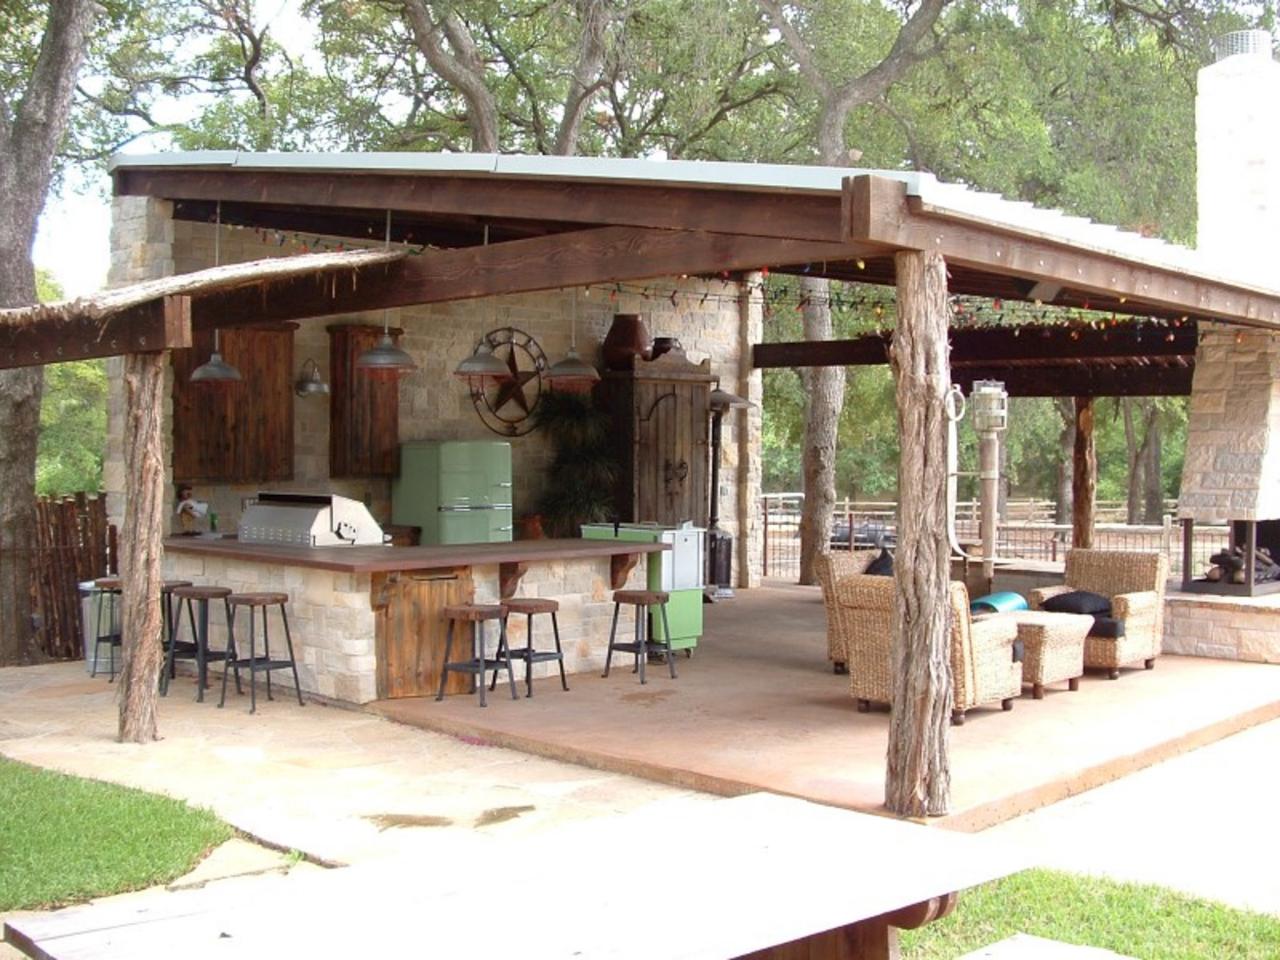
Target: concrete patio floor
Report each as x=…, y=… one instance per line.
x=757, y=707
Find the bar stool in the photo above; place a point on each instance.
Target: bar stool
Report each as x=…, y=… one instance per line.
x=477, y=614
x=257, y=664
x=197, y=648
x=108, y=590
x=643, y=644
x=170, y=624
x=530, y=606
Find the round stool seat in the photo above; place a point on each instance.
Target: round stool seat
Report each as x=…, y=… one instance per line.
x=107, y=583
x=168, y=586
x=531, y=605
x=262, y=599
x=475, y=611
x=640, y=598
x=202, y=592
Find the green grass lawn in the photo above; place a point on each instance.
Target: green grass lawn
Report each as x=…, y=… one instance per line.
x=64, y=839
x=1136, y=920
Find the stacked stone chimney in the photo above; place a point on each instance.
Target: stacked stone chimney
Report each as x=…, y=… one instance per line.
x=1232, y=466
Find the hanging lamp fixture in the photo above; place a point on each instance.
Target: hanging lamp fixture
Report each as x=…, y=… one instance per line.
x=482, y=367
x=385, y=359
x=310, y=383
x=572, y=374
x=215, y=370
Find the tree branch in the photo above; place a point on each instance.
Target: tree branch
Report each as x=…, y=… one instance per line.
x=463, y=69
x=587, y=76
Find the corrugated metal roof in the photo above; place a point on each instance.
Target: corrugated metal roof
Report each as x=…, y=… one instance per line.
x=942, y=199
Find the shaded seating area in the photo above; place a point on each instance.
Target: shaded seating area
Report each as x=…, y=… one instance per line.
x=1133, y=585
x=982, y=656
x=831, y=566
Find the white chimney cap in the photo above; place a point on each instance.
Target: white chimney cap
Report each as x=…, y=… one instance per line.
x=1254, y=43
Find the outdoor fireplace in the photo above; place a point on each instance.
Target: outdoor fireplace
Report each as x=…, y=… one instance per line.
x=1246, y=568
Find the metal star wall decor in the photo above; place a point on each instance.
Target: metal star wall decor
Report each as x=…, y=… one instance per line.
x=507, y=407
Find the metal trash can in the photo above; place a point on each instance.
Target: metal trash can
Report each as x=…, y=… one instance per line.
x=91, y=598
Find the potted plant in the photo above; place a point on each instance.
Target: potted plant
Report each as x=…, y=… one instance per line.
x=584, y=470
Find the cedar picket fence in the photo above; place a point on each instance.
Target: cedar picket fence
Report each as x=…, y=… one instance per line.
x=74, y=543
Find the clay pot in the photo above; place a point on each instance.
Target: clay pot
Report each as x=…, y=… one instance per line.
x=627, y=340
x=531, y=527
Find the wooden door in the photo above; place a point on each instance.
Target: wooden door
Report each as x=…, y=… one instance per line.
x=410, y=631
x=670, y=464
x=364, y=409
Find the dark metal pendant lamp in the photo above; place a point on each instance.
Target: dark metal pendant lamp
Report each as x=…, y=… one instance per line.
x=572, y=373
x=215, y=370
x=384, y=358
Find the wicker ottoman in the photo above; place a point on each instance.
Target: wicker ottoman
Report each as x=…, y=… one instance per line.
x=1053, y=648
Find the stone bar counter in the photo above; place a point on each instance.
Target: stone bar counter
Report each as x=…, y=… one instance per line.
x=366, y=621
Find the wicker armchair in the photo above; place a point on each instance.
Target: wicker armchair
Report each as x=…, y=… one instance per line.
x=982, y=665
x=829, y=567
x=1135, y=582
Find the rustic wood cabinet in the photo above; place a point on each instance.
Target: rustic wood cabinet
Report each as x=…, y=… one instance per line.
x=239, y=432
x=410, y=631
x=661, y=420
x=364, y=409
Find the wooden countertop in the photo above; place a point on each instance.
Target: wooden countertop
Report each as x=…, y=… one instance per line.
x=388, y=559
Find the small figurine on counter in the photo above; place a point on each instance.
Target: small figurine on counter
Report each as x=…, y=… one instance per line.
x=190, y=510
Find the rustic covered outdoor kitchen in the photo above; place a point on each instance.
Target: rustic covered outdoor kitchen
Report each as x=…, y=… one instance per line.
x=560, y=225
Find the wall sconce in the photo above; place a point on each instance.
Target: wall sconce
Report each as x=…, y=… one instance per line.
x=309, y=382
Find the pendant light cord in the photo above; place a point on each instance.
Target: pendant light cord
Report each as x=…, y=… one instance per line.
x=386, y=245
x=217, y=262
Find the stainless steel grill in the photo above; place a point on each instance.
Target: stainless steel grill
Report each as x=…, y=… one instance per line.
x=308, y=520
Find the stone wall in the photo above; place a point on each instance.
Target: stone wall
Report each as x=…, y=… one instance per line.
x=1232, y=466
x=1226, y=628
x=705, y=315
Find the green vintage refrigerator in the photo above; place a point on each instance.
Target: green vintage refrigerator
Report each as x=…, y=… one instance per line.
x=456, y=491
x=678, y=571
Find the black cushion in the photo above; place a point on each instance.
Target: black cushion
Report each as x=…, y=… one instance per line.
x=1107, y=627
x=881, y=566
x=1079, y=601
x=1018, y=651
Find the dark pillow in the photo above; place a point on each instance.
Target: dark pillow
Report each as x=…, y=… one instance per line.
x=881, y=566
x=1107, y=627
x=1019, y=651
x=1079, y=601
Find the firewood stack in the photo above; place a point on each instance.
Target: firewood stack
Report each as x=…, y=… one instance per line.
x=1228, y=566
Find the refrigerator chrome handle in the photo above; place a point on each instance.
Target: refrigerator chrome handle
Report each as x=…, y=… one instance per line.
x=466, y=508
x=506, y=528
x=503, y=483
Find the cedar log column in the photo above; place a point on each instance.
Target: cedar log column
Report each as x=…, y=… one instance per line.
x=918, y=778
x=140, y=545
x=1084, y=476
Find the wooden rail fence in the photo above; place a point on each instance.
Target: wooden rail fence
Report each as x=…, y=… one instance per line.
x=74, y=543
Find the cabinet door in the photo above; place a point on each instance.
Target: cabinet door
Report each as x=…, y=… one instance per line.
x=364, y=409
x=671, y=452
x=411, y=631
x=240, y=431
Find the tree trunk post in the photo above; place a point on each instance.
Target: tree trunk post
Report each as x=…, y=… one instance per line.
x=140, y=545
x=821, y=425
x=1084, y=476
x=918, y=777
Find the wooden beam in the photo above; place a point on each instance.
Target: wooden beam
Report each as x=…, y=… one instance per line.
x=1075, y=380
x=578, y=258
x=877, y=210
x=1084, y=476
x=163, y=324
x=790, y=215
x=994, y=344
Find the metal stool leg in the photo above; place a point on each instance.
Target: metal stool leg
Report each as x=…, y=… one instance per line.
x=478, y=652
x=555, y=629
x=642, y=639
x=228, y=663
x=266, y=651
x=613, y=630
x=666, y=630
x=233, y=653
x=253, y=664
x=293, y=663
x=505, y=651
x=444, y=671
x=202, y=651
x=528, y=655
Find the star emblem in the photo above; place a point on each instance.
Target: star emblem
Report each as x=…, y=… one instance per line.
x=512, y=390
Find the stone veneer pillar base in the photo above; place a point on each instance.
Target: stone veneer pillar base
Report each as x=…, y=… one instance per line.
x=1225, y=628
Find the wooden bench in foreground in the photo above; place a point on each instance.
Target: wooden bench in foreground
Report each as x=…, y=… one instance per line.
x=758, y=876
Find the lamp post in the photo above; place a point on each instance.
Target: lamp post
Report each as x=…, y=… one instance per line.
x=989, y=404
x=719, y=544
